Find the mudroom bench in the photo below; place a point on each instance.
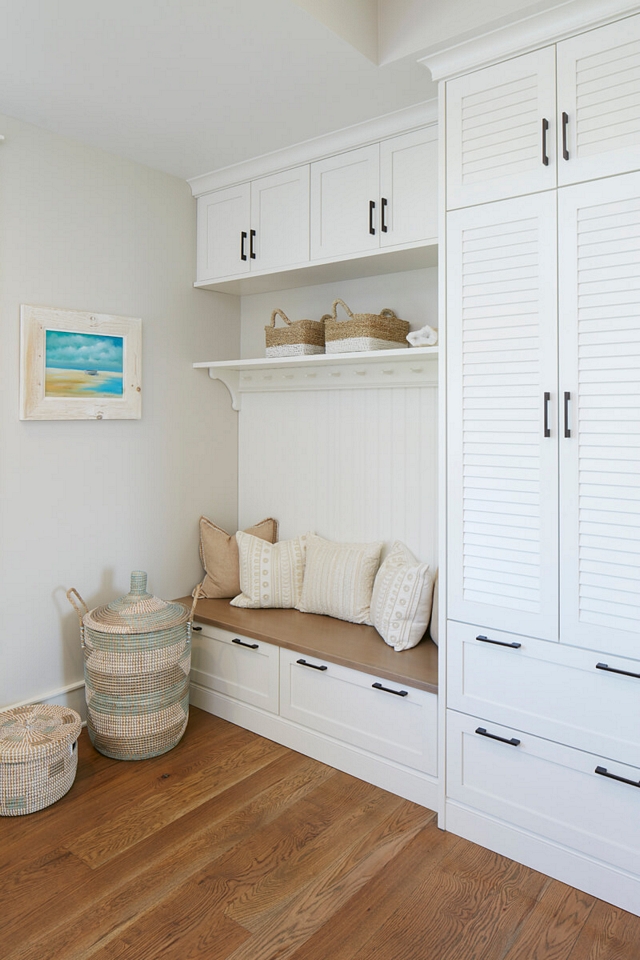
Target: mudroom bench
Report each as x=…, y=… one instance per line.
x=326, y=688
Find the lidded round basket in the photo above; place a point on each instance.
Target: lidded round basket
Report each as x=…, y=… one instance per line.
x=137, y=658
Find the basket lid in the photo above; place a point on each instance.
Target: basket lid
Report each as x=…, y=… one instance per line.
x=36, y=730
x=136, y=612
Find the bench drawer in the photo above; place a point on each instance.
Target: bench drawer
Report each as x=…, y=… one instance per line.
x=236, y=666
x=388, y=719
x=546, y=788
x=562, y=693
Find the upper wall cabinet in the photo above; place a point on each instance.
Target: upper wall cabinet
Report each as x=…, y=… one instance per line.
x=382, y=195
x=511, y=130
x=262, y=225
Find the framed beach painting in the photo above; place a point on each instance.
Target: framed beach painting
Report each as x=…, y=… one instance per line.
x=79, y=366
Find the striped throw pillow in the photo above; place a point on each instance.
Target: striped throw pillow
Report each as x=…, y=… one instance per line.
x=401, y=600
x=271, y=574
x=338, y=578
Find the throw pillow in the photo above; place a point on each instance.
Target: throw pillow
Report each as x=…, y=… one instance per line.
x=338, y=579
x=219, y=556
x=270, y=574
x=401, y=601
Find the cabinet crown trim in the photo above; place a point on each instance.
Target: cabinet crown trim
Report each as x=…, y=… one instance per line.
x=525, y=35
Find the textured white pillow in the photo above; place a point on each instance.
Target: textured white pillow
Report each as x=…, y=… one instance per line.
x=338, y=578
x=271, y=574
x=401, y=601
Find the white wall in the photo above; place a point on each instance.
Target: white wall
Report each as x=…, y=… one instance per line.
x=82, y=503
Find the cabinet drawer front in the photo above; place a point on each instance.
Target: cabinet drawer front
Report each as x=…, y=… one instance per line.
x=554, y=691
x=546, y=788
x=236, y=666
x=344, y=704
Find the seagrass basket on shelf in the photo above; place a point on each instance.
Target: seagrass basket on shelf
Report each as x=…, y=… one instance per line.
x=297, y=338
x=363, y=331
x=137, y=659
x=38, y=756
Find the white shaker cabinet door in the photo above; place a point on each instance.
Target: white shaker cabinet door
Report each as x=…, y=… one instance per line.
x=599, y=247
x=223, y=233
x=502, y=489
x=345, y=203
x=599, y=102
x=409, y=188
x=280, y=219
x=501, y=129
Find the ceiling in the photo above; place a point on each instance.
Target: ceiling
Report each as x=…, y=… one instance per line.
x=189, y=86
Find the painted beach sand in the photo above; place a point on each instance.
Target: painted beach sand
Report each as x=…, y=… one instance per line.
x=83, y=365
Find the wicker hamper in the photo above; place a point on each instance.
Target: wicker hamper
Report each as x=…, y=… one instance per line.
x=298, y=338
x=38, y=756
x=363, y=331
x=137, y=658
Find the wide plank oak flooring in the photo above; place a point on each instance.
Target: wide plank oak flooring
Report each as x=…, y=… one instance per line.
x=231, y=847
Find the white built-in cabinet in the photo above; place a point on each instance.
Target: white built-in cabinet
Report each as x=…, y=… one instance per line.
x=543, y=467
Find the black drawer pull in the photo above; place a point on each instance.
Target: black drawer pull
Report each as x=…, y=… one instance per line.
x=372, y=206
x=513, y=742
x=547, y=428
x=314, y=666
x=612, y=776
x=383, y=219
x=545, y=127
x=500, y=643
x=625, y=673
x=565, y=149
x=567, y=431
x=196, y=629
x=243, y=237
x=398, y=693
x=252, y=253
x=242, y=643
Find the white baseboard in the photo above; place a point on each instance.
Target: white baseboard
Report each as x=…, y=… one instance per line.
x=399, y=780
x=70, y=696
x=599, y=879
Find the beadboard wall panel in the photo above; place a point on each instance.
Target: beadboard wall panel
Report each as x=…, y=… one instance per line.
x=350, y=465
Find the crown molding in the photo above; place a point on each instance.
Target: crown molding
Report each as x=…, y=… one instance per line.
x=524, y=35
x=390, y=125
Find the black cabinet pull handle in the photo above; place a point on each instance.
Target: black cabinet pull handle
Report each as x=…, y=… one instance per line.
x=545, y=127
x=383, y=219
x=567, y=398
x=252, y=253
x=500, y=643
x=314, y=666
x=372, y=206
x=547, y=429
x=625, y=673
x=513, y=742
x=398, y=693
x=196, y=629
x=243, y=237
x=612, y=776
x=252, y=646
x=565, y=122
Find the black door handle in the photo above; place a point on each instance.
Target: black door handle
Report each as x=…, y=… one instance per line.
x=567, y=398
x=383, y=219
x=545, y=127
x=243, y=237
x=625, y=673
x=513, y=742
x=314, y=666
x=398, y=693
x=547, y=429
x=500, y=643
x=252, y=253
x=242, y=643
x=612, y=776
x=372, y=206
x=565, y=122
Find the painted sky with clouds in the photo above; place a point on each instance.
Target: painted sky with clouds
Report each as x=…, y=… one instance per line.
x=83, y=351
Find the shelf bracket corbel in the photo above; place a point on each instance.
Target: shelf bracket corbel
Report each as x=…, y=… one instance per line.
x=231, y=380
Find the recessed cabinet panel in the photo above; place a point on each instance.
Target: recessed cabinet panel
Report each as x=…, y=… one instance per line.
x=342, y=191
x=280, y=219
x=236, y=666
x=223, y=218
x=408, y=188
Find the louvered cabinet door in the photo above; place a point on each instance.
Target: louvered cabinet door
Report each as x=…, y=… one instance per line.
x=502, y=469
x=500, y=128
x=599, y=102
x=599, y=249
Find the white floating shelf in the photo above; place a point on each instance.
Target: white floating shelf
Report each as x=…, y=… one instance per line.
x=414, y=366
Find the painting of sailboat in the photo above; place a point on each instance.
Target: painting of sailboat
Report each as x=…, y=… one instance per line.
x=83, y=365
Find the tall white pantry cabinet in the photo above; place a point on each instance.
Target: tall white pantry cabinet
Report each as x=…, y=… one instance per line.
x=543, y=458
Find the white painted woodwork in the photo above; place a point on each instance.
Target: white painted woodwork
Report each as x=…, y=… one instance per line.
x=280, y=218
x=502, y=479
x=222, y=217
x=599, y=90
x=245, y=673
x=494, y=130
x=548, y=789
x=349, y=464
x=549, y=689
x=342, y=188
x=343, y=704
x=408, y=179
x=599, y=248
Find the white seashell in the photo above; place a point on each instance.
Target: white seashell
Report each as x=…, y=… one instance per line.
x=424, y=337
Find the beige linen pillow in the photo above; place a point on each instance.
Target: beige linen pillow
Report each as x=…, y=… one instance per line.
x=401, y=600
x=270, y=574
x=338, y=578
x=219, y=556
x=433, y=625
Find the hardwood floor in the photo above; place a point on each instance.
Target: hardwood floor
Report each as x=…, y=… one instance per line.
x=231, y=846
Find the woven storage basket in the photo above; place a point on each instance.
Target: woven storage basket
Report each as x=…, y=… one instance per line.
x=298, y=338
x=38, y=756
x=137, y=658
x=363, y=331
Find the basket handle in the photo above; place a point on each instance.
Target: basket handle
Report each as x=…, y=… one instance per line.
x=197, y=593
x=78, y=603
x=279, y=313
x=334, y=314
x=387, y=312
